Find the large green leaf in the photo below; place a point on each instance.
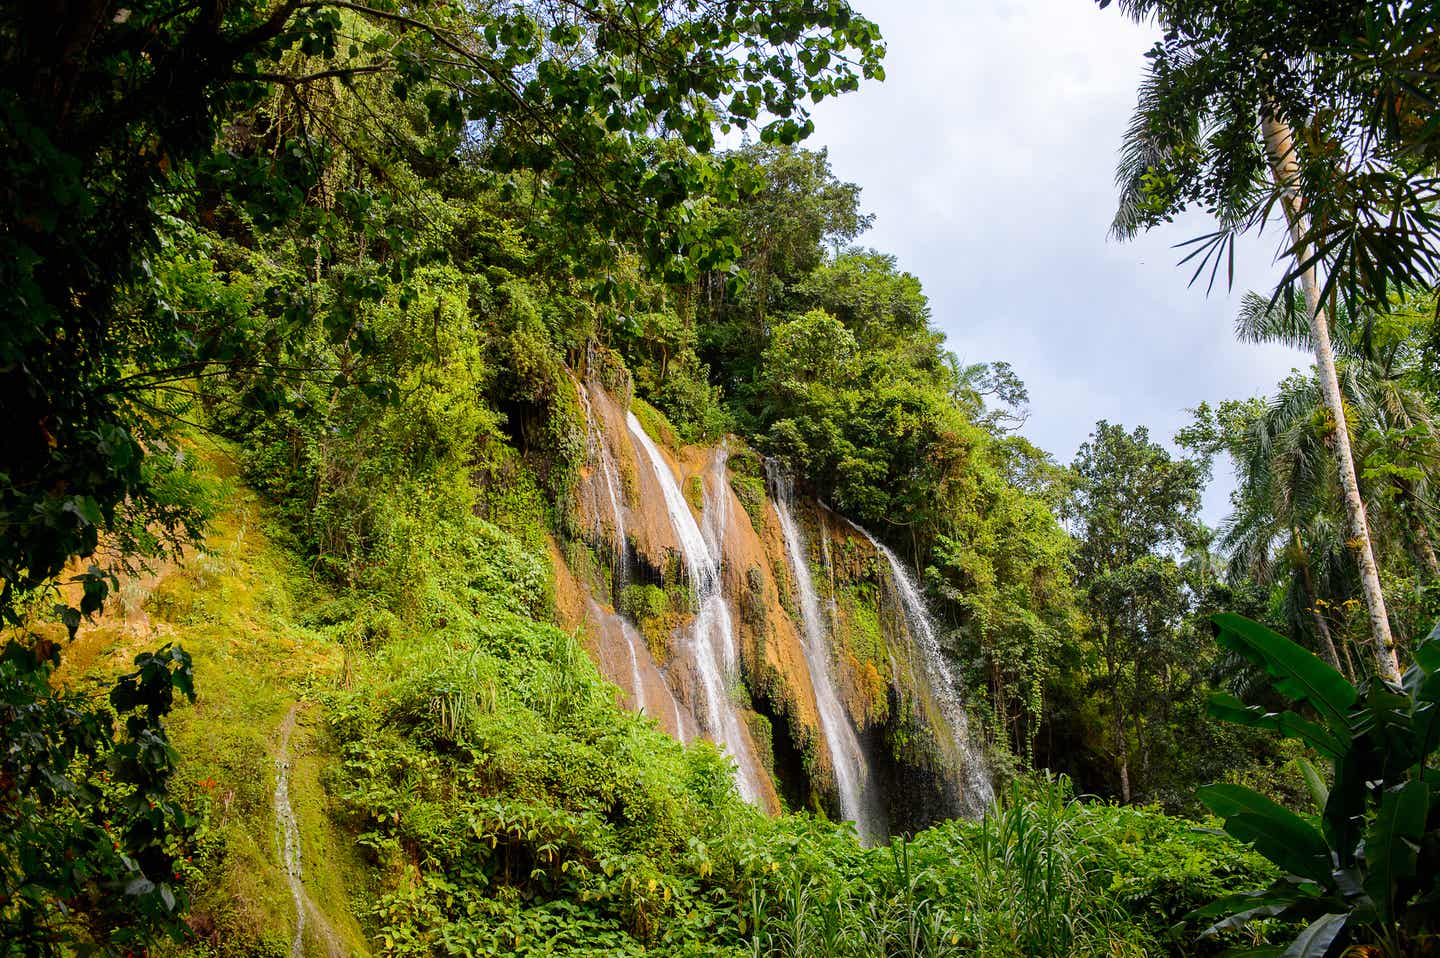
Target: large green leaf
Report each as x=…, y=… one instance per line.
x=1228, y=708
x=1319, y=792
x=1392, y=843
x=1299, y=674
x=1386, y=723
x=1345, y=809
x=1427, y=652
x=1427, y=724
x=1317, y=938
x=1276, y=832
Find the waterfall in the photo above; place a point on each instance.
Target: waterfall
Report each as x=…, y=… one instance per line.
x=599, y=453
x=715, y=497
x=637, y=682
x=289, y=832
x=978, y=792
x=712, y=633
x=853, y=778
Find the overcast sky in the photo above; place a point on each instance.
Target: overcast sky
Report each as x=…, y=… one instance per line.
x=987, y=157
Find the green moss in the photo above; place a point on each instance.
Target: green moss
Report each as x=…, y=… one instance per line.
x=754, y=611
x=763, y=735
x=861, y=633
x=644, y=601
x=695, y=492
x=750, y=490
x=653, y=421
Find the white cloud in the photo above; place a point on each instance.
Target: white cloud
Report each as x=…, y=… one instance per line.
x=988, y=156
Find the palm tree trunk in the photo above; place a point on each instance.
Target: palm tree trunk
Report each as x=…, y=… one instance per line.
x=1322, y=628
x=1280, y=148
x=1424, y=548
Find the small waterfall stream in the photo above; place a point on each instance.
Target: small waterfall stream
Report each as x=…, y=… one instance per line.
x=853, y=777
x=288, y=833
x=712, y=633
x=599, y=453
x=978, y=792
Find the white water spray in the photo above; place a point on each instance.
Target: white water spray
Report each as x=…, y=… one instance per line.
x=712, y=634
x=853, y=777
x=978, y=792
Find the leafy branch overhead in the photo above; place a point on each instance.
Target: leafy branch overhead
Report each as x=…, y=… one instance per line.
x=1356, y=81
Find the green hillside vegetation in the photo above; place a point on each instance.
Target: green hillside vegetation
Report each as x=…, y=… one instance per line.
x=299, y=302
x=465, y=781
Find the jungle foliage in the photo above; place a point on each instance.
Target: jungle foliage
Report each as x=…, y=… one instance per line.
x=358, y=253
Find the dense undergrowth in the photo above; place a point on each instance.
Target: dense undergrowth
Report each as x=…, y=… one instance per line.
x=466, y=783
x=361, y=279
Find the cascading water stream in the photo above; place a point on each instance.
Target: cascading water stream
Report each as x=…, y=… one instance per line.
x=288, y=829
x=853, y=777
x=715, y=497
x=613, y=499
x=712, y=633
x=978, y=792
x=599, y=453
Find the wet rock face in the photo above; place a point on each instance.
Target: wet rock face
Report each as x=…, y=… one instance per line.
x=766, y=624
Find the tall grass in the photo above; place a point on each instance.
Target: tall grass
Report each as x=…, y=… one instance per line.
x=1023, y=881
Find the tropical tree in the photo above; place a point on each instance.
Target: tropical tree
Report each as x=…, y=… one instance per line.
x=1132, y=506
x=1288, y=525
x=1379, y=354
x=1317, y=109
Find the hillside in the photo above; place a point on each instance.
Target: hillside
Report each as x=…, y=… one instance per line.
x=468, y=489
x=480, y=786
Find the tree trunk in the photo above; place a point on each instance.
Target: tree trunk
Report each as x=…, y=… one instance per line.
x=1420, y=535
x=1322, y=628
x=1280, y=148
x=1122, y=750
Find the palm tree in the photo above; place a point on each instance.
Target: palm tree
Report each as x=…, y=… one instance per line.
x=1289, y=526
x=1216, y=125
x=1283, y=508
x=1378, y=360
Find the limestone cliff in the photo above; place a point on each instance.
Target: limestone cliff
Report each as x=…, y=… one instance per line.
x=677, y=573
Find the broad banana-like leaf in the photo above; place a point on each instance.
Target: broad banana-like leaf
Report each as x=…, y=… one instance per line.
x=1349, y=882
x=1427, y=652
x=1276, y=832
x=1298, y=674
x=1392, y=843
x=1345, y=809
x=1317, y=736
x=1317, y=938
x=1425, y=719
x=1385, y=722
x=1319, y=793
x=1242, y=918
x=1279, y=895
x=1228, y=708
